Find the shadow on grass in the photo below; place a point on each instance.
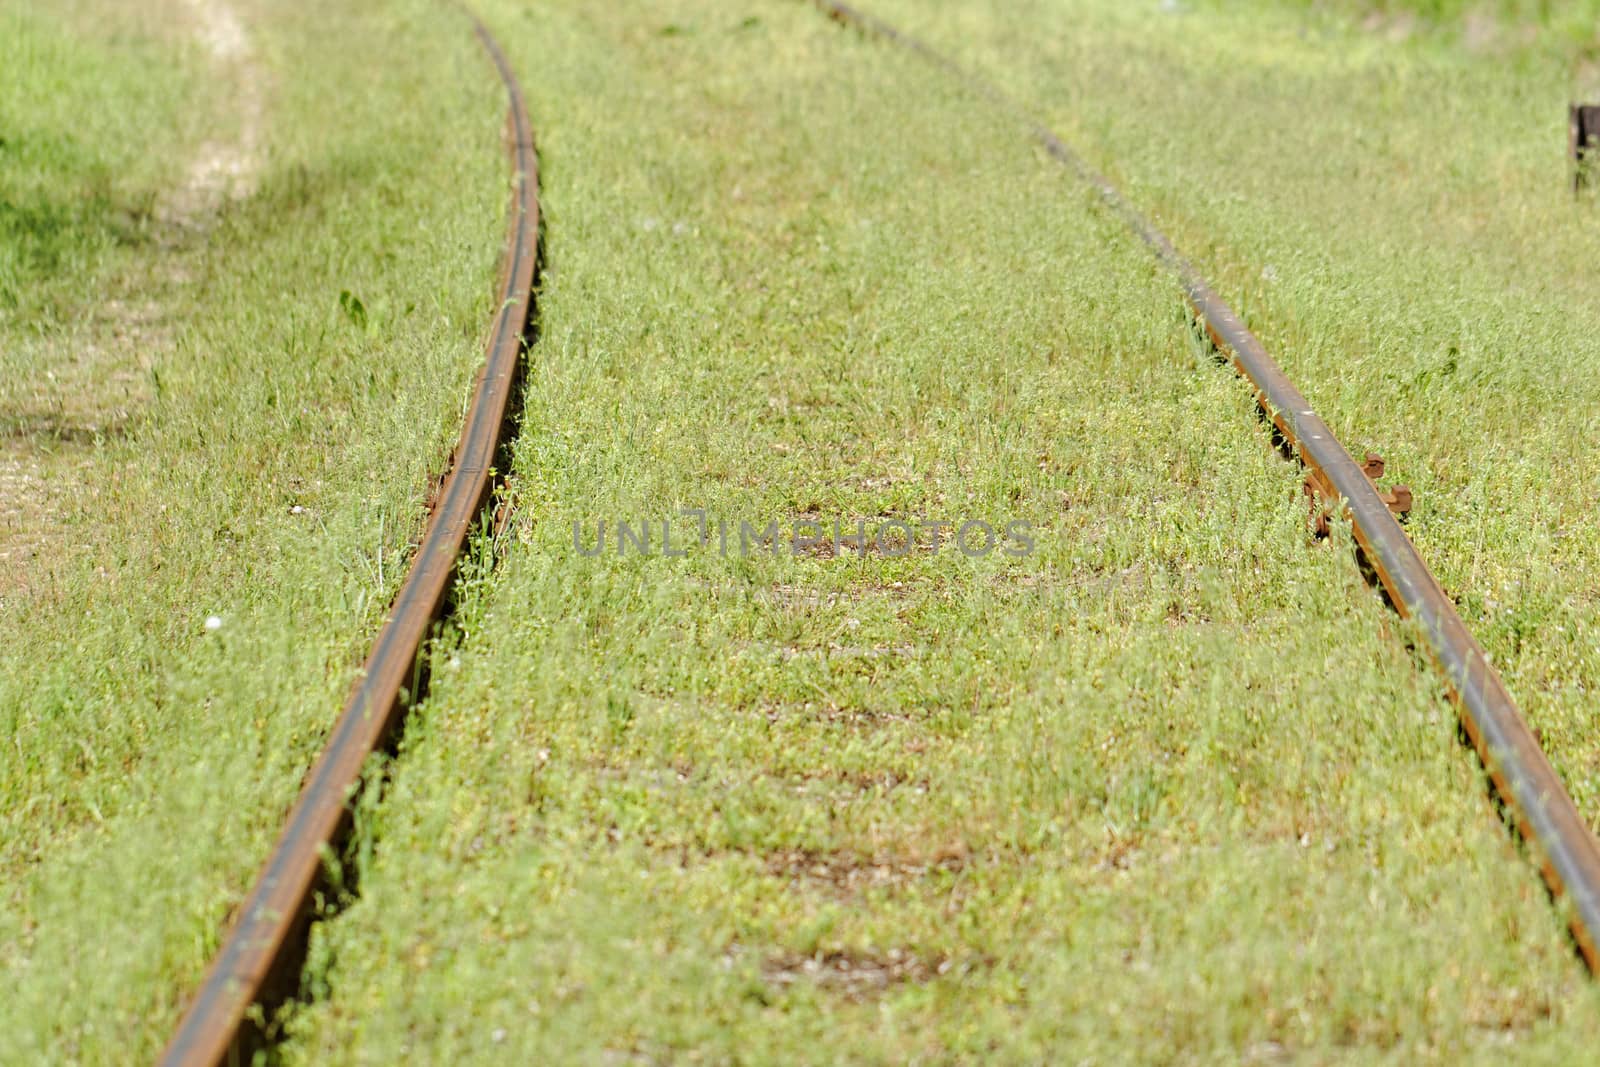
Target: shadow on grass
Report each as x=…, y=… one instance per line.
x=60, y=209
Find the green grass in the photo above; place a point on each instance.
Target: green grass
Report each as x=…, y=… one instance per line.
x=92, y=125
x=270, y=468
x=1170, y=788
x=87, y=127
x=1417, y=262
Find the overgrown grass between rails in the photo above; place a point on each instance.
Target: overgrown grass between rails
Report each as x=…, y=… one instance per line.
x=1169, y=788
x=322, y=338
x=1415, y=259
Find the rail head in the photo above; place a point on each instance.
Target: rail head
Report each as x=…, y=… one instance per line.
x=248, y=969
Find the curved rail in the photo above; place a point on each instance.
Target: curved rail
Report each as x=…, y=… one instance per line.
x=279, y=908
x=1529, y=786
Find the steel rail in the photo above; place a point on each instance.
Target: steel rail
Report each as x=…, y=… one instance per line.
x=279, y=909
x=1530, y=788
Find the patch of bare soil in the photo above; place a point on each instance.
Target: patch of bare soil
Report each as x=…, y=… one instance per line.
x=849, y=873
x=221, y=169
x=858, y=975
x=28, y=510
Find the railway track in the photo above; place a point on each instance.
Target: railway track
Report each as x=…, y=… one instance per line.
x=1532, y=792
x=258, y=963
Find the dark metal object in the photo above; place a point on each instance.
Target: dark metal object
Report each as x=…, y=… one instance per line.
x=278, y=912
x=1533, y=793
x=1583, y=141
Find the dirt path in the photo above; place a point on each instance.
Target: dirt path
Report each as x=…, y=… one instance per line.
x=222, y=169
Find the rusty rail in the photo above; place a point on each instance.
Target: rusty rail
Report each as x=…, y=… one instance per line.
x=1528, y=785
x=275, y=918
